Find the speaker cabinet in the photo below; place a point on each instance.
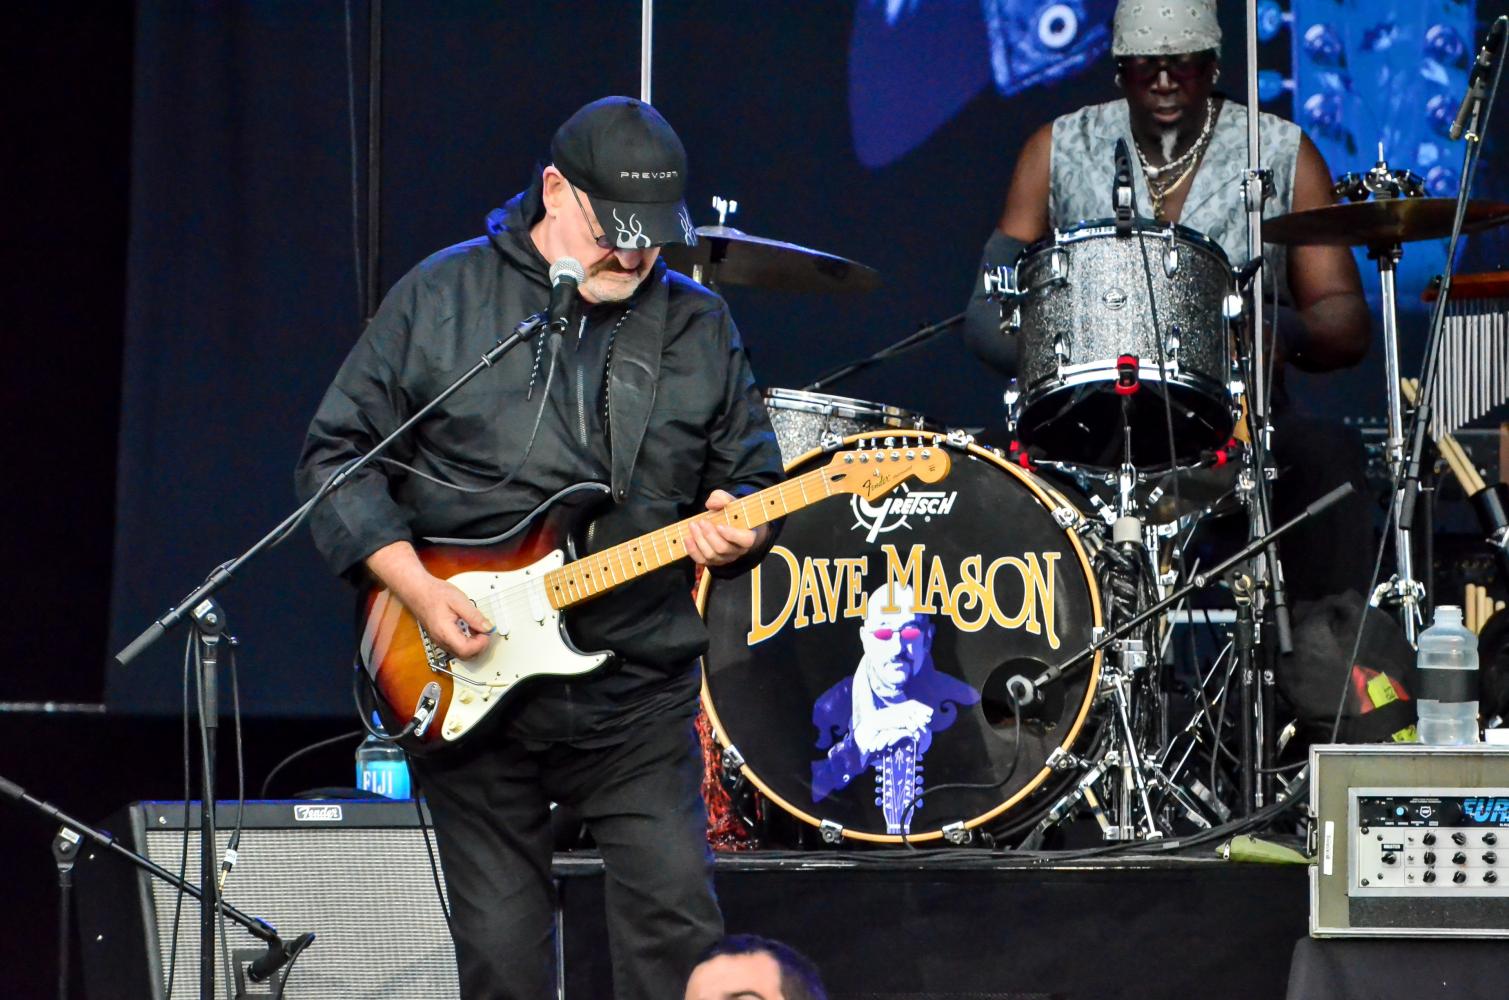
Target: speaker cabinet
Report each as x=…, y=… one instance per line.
x=357, y=873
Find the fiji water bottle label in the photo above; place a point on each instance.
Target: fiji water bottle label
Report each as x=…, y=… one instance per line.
x=388, y=778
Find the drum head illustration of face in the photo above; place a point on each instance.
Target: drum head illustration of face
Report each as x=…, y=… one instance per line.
x=863, y=661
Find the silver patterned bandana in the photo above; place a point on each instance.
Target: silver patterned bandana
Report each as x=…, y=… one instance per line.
x=1164, y=27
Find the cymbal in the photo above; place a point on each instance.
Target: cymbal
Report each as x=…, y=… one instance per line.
x=727, y=256
x=1381, y=223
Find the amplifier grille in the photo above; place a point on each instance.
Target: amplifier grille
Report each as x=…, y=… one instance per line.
x=367, y=893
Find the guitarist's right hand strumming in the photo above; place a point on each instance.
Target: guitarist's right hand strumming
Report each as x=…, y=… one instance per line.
x=438, y=605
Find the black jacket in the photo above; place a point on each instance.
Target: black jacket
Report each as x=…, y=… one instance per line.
x=685, y=418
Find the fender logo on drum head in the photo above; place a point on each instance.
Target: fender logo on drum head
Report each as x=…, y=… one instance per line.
x=1114, y=299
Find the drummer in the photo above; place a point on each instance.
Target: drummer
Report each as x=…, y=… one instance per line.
x=1190, y=143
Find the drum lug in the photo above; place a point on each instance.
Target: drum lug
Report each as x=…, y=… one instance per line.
x=1065, y=517
x=958, y=438
x=1232, y=307
x=1062, y=760
x=1058, y=266
x=1171, y=349
x=1000, y=283
x=831, y=832
x=956, y=834
x=1171, y=256
x=1060, y=353
x=732, y=761
x=830, y=441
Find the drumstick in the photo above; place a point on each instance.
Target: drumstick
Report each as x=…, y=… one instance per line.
x=1451, y=451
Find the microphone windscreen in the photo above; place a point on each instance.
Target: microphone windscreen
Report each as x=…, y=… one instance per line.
x=569, y=267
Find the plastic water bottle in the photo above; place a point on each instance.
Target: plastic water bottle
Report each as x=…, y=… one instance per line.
x=1448, y=696
x=382, y=768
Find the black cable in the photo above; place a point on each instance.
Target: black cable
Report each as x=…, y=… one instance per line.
x=288, y=972
x=1016, y=757
x=1168, y=395
x=311, y=748
x=356, y=242
x=65, y=901
x=429, y=852
x=330, y=482
x=188, y=791
x=230, y=856
x=208, y=805
x=1252, y=821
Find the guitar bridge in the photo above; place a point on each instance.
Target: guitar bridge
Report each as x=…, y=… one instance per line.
x=438, y=659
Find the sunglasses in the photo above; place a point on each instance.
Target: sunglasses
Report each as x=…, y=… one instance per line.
x=908, y=633
x=1180, y=69
x=603, y=242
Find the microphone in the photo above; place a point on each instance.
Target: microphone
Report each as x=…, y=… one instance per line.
x=278, y=955
x=566, y=275
x=1123, y=197
x=1477, y=79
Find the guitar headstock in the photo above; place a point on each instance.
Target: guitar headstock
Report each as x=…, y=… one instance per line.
x=874, y=472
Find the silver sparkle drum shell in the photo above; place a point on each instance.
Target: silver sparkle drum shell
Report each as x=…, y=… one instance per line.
x=1083, y=303
x=807, y=421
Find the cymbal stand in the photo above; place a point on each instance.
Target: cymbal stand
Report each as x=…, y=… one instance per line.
x=1402, y=589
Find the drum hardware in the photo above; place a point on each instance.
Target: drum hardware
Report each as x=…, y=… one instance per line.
x=1028, y=691
x=1396, y=215
x=1085, y=305
x=912, y=341
x=957, y=834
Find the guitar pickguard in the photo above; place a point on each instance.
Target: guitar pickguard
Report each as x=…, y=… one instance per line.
x=528, y=642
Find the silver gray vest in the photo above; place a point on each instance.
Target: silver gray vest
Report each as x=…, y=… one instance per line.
x=1083, y=172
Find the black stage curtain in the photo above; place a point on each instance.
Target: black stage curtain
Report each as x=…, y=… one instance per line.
x=243, y=288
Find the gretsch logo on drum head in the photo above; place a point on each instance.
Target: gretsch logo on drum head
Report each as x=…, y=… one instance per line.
x=893, y=510
x=1114, y=299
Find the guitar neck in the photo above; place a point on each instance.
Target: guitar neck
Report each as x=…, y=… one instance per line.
x=602, y=571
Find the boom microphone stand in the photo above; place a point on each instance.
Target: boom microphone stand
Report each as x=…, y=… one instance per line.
x=209, y=621
x=1472, y=122
x=66, y=847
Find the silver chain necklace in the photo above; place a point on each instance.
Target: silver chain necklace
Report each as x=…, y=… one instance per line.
x=1177, y=166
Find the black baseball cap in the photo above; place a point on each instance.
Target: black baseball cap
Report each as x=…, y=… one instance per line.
x=628, y=161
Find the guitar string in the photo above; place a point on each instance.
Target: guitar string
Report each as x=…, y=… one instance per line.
x=520, y=593
x=622, y=553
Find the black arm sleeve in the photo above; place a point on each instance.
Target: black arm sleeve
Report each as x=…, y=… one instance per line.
x=362, y=406
x=743, y=456
x=982, y=317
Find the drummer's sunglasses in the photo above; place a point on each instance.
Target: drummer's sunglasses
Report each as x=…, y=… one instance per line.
x=1181, y=68
x=908, y=633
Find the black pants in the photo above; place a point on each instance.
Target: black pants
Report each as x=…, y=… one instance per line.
x=642, y=801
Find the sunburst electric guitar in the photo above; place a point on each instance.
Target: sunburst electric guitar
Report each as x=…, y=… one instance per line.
x=522, y=581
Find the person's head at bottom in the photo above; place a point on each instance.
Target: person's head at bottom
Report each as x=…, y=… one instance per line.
x=748, y=967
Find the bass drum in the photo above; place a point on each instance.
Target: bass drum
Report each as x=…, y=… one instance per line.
x=858, y=675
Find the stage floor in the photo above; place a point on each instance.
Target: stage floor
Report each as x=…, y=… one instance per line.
x=898, y=925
